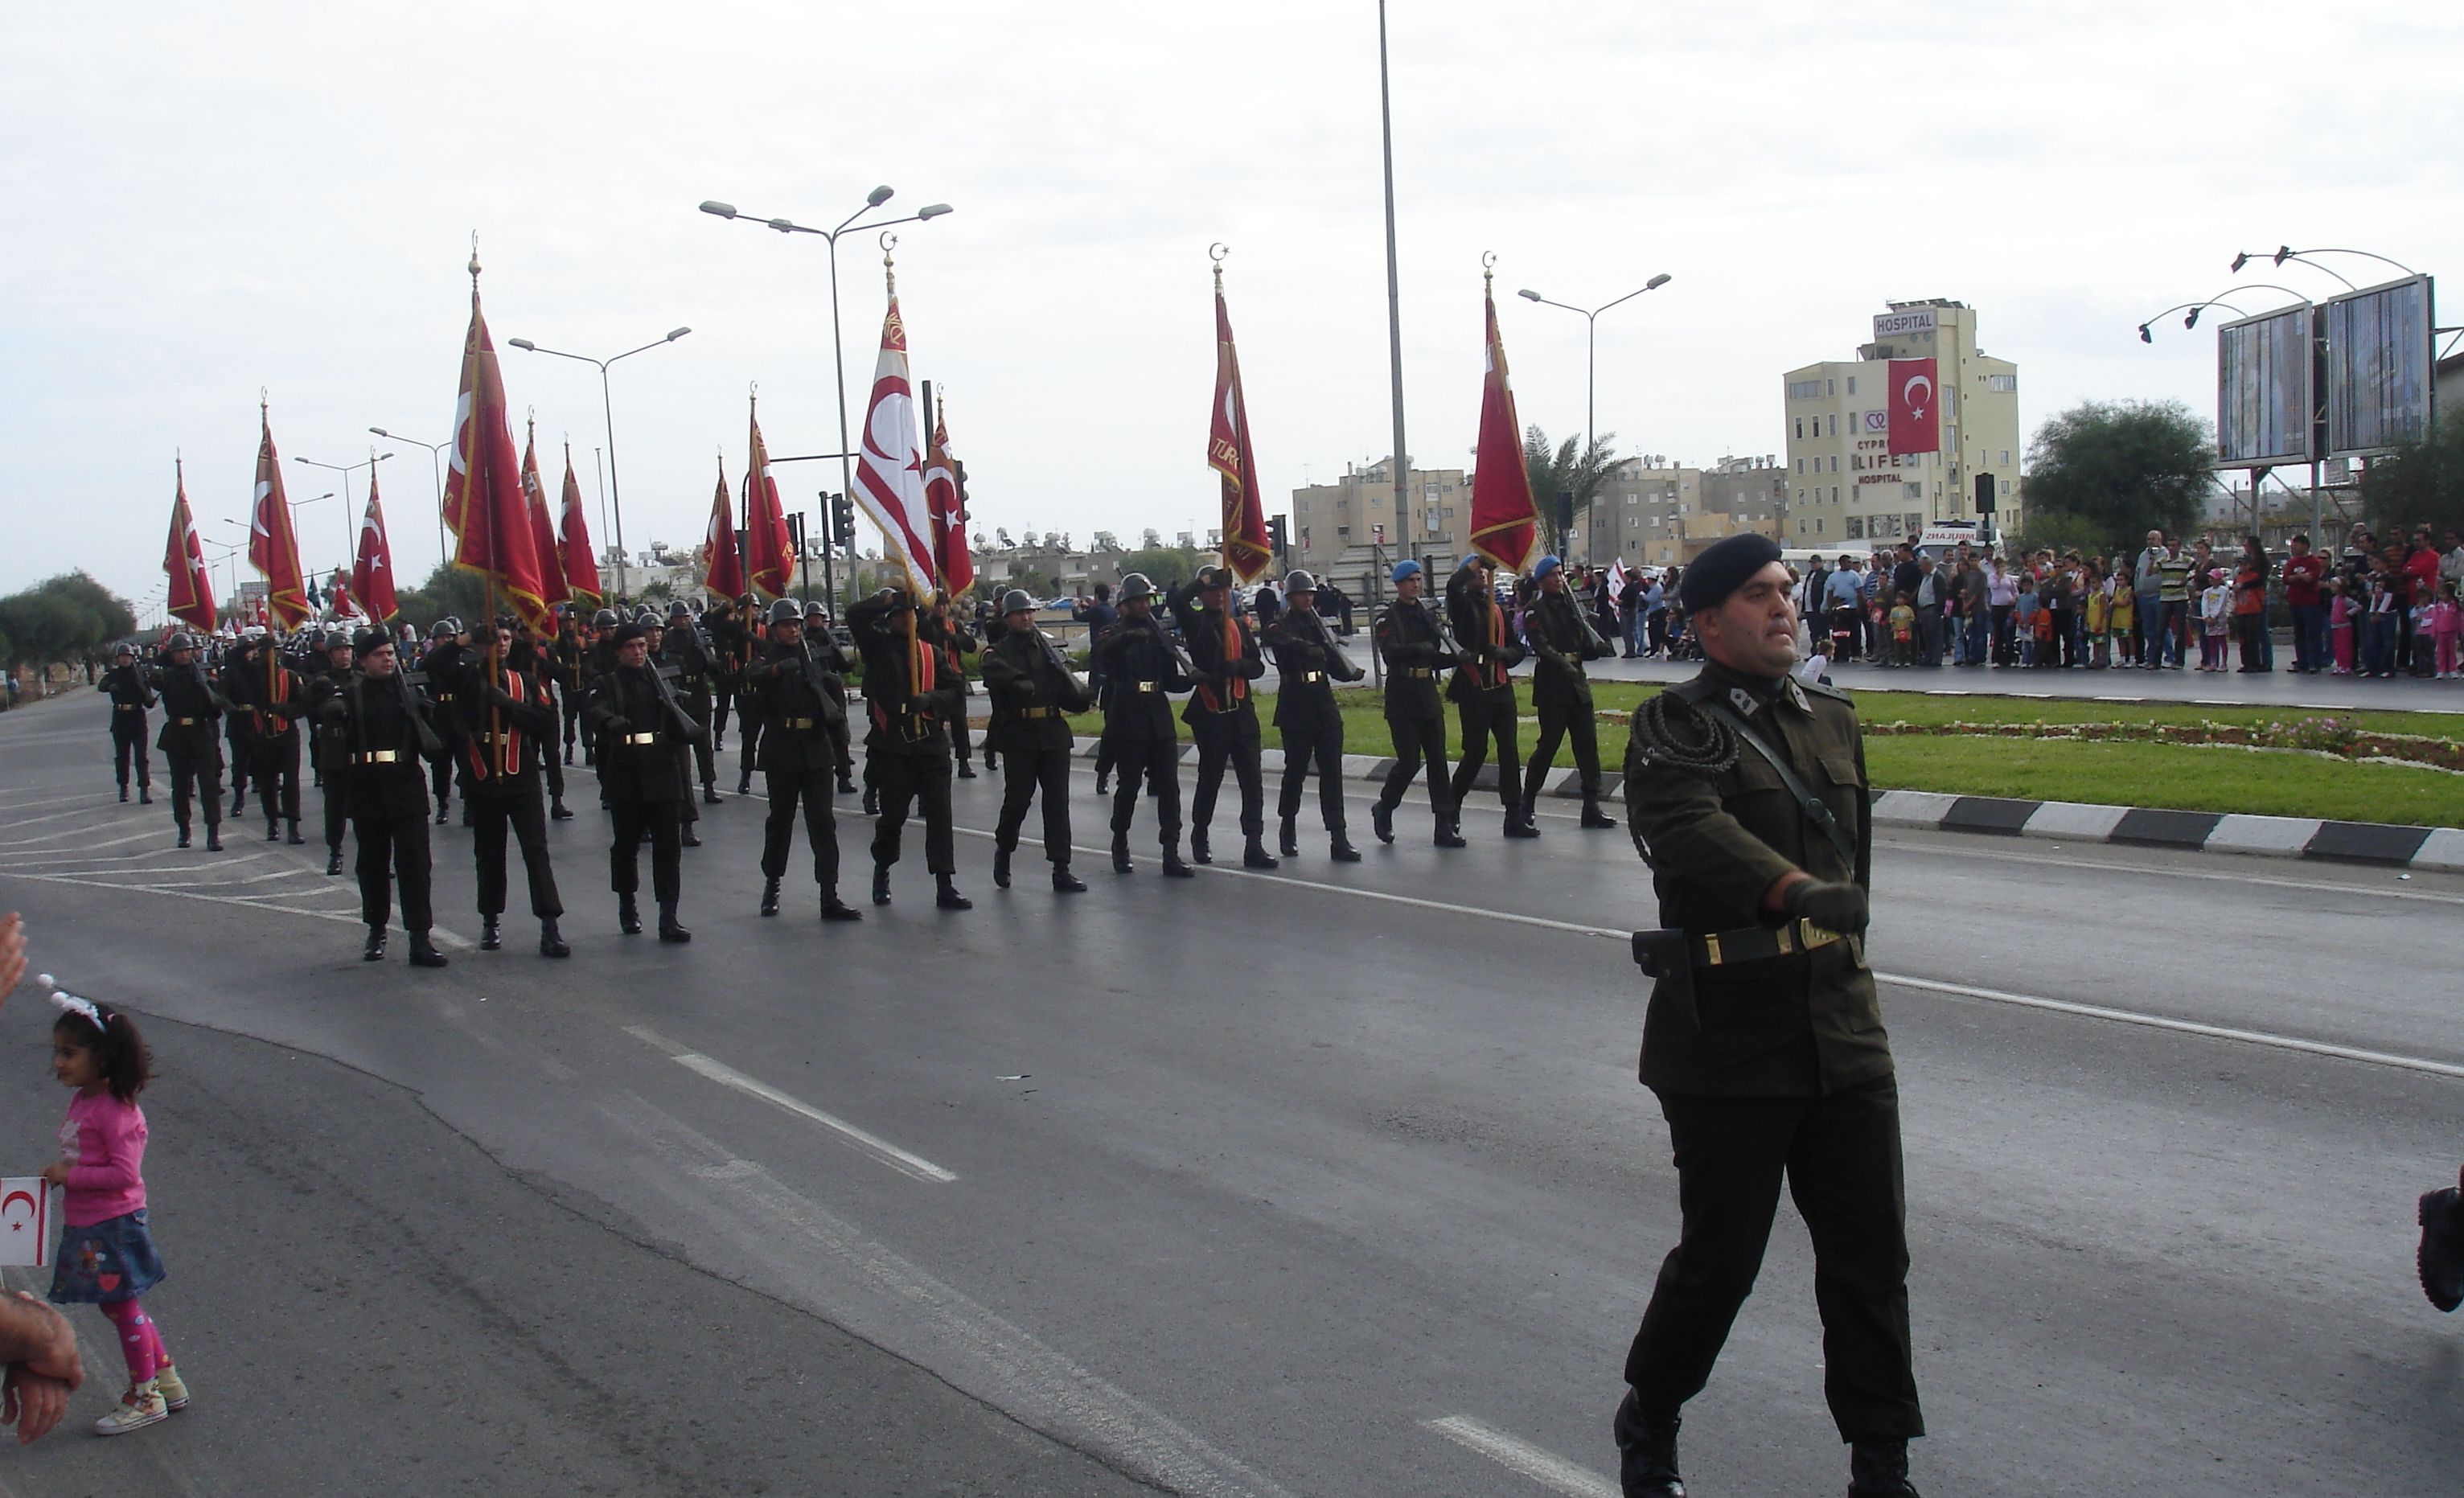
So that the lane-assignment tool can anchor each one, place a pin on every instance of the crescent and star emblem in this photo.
(1916, 403)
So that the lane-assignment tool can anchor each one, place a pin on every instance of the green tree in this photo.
(65, 618)
(1165, 565)
(2417, 484)
(1560, 469)
(2124, 468)
(448, 590)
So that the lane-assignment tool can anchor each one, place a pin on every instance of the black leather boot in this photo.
(556, 811)
(552, 941)
(1289, 837)
(423, 951)
(835, 909)
(183, 839)
(710, 793)
(672, 930)
(744, 785)
(1199, 849)
(492, 934)
(213, 837)
(1339, 849)
(881, 884)
(124, 790)
(1173, 867)
(1256, 856)
(1001, 868)
(294, 839)
(1519, 823)
(692, 838)
(374, 951)
(332, 861)
(1646, 1452)
(1449, 833)
(847, 786)
(769, 896)
(967, 770)
(1381, 821)
(1878, 1469)
(1064, 882)
(273, 830)
(1593, 818)
(145, 794)
(2440, 1259)
(946, 895)
(1121, 854)
(871, 801)
(628, 915)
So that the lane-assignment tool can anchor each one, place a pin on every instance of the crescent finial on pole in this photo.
(1487, 262)
(475, 259)
(1216, 253)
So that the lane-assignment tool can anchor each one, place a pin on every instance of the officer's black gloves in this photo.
(1836, 907)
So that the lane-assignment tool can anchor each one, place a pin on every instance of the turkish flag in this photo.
(191, 596)
(951, 556)
(1245, 548)
(889, 468)
(722, 567)
(552, 586)
(1916, 397)
(770, 547)
(580, 564)
(1505, 522)
(273, 549)
(372, 570)
(484, 506)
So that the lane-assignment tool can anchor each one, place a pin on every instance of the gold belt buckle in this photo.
(1146, 686)
(1312, 676)
(641, 738)
(1816, 935)
(1711, 947)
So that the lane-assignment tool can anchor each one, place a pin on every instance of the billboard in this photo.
(2263, 389)
(2378, 364)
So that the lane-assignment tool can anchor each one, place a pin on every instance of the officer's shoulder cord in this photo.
(1668, 731)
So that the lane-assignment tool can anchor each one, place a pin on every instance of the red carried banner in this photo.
(769, 546)
(576, 559)
(191, 599)
(889, 467)
(946, 497)
(722, 567)
(1915, 425)
(1505, 522)
(1246, 547)
(483, 491)
(372, 569)
(273, 549)
(552, 586)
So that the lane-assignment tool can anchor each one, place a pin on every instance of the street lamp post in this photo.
(2190, 320)
(436, 472)
(1591, 386)
(838, 348)
(608, 410)
(350, 532)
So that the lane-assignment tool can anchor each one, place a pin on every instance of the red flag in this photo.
(1915, 428)
(1245, 550)
(1505, 522)
(579, 562)
(723, 566)
(947, 501)
(372, 569)
(273, 550)
(770, 547)
(192, 598)
(890, 473)
(552, 586)
(483, 492)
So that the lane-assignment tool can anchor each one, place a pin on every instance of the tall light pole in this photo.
(608, 409)
(350, 530)
(837, 347)
(1394, 305)
(436, 472)
(1591, 387)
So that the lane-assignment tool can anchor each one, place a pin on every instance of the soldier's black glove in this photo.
(1835, 907)
(619, 723)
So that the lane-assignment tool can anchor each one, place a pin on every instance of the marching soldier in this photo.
(1563, 638)
(508, 726)
(191, 746)
(1416, 647)
(273, 701)
(1308, 663)
(907, 751)
(695, 679)
(1764, 1041)
(818, 633)
(1141, 669)
(334, 761)
(802, 694)
(1220, 714)
(748, 708)
(130, 696)
(667, 673)
(441, 667)
(959, 642)
(636, 723)
(382, 729)
(728, 664)
(568, 661)
(234, 726)
(1483, 690)
(1033, 692)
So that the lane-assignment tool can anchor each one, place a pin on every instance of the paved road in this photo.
(1334, 1180)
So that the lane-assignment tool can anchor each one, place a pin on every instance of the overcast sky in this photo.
(207, 201)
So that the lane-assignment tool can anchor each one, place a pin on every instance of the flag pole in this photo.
(1216, 253)
(488, 579)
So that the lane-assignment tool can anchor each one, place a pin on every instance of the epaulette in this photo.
(1824, 689)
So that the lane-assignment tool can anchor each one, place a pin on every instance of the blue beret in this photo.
(1723, 568)
(1547, 564)
(1405, 568)
(1472, 558)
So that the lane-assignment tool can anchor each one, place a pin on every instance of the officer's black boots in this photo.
(1289, 837)
(423, 951)
(744, 783)
(670, 928)
(1339, 849)
(295, 840)
(628, 915)
(492, 934)
(1519, 823)
(1064, 882)
(213, 837)
(124, 790)
(769, 896)
(273, 830)
(145, 794)
(374, 951)
(847, 787)
(692, 838)
(710, 793)
(881, 884)
(967, 770)
(1879, 1469)
(332, 861)
(1449, 833)
(1381, 821)
(183, 839)
(1173, 867)
(1256, 856)
(1121, 853)
(1646, 1452)
(835, 909)
(556, 810)
(2440, 1258)
(1001, 868)
(1199, 849)
(1593, 816)
(551, 941)
(946, 895)
(871, 801)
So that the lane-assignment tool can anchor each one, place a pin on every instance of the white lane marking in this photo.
(183, 859)
(904, 1162)
(2315, 885)
(1523, 1459)
(88, 850)
(15, 822)
(221, 882)
(441, 936)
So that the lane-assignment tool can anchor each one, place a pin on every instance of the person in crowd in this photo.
(2420, 568)
(2303, 574)
(1904, 631)
(2343, 610)
(2175, 588)
(2215, 619)
(2447, 631)
(2121, 620)
(2250, 606)
(1843, 600)
(2379, 628)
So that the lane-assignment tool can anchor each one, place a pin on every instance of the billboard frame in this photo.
(2307, 401)
(2337, 391)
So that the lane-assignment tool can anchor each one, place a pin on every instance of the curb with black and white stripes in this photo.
(2436, 849)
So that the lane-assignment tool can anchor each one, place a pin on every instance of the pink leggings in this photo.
(140, 1343)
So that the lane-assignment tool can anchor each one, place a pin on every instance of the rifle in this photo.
(1337, 663)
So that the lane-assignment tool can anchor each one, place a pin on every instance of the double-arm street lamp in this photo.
(350, 529)
(838, 348)
(436, 472)
(1591, 382)
(608, 410)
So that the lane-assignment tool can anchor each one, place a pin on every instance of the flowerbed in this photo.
(2326, 736)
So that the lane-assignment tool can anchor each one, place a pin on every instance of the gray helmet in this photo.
(124, 647)
(441, 630)
(647, 616)
(813, 609)
(1299, 581)
(605, 619)
(1017, 601)
(1137, 584)
(680, 609)
(785, 612)
(180, 642)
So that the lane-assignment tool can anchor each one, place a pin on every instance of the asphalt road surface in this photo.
(1331, 1180)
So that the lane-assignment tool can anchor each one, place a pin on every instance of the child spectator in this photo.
(1816, 666)
(2023, 611)
(2379, 628)
(2341, 613)
(2423, 617)
(2099, 621)
(1904, 631)
(2215, 621)
(2124, 619)
(2447, 631)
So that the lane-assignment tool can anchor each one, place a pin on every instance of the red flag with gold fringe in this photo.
(1246, 547)
(576, 559)
(272, 548)
(723, 566)
(1505, 522)
(191, 594)
(484, 505)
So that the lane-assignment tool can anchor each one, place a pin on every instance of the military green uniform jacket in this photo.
(1798, 1024)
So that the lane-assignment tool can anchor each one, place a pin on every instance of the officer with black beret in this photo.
(191, 745)
(637, 723)
(1222, 714)
(1746, 789)
(1483, 690)
(1308, 663)
(384, 733)
(1143, 668)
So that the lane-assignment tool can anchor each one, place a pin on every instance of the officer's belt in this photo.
(1417, 672)
(1039, 712)
(1307, 676)
(638, 738)
(377, 757)
(798, 724)
(1759, 943)
(184, 722)
(126, 707)
(1146, 686)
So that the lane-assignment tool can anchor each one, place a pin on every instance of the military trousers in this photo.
(128, 743)
(198, 775)
(748, 737)
(722, 701)
(811, 788)
(663, 821)
(1229, 739)
(688, 809)
(526, 816)
(1026, 773)
(274, 769)
(1559, 721)
(1156, 763)
(1417, 739)
(705, 758)
(393, 849)
(1485, 717)
(907, 781)
(1840, 1157)
(338, 804)
(1316, 746)
(569, 701)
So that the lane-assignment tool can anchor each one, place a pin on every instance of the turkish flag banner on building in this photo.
(372, 569)
(951, 557)
(273, 549)
(723, 566)
(483, 491)
(1245, 549)
(191, 595)
(769, 546)
(1505, 522)
(1916, 421)
(576, 559)
(552, 586)
(890, 464)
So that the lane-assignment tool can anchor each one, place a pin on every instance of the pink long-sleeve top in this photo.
(103, 1140)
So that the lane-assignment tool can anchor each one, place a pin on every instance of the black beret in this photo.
(631, 632)
(367, 642)
(1722, 568)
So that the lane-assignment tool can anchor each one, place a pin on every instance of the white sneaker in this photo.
(140, 1407)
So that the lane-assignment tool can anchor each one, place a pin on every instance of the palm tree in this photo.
(1559, 470)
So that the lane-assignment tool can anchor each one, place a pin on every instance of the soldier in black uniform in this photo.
(1416, 647)
(1222, 714)
(191, 745)
(1141, 669)
(1309, 663)
(1482, 692)
(818, 631)
(565, 661)
(130, 696)
(1563, 639)
(748, 708)
(509, 727)
(383, 730)
(636, 723)
(663, 667)
(907, 750)
(694, 682)
(801, 693)
(1033, 692)
(441, 667)
(234, 728)
(272, 700)
(1764, 1042)
(727, 665)
(334, 767)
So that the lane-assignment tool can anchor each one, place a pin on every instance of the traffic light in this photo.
(1275, 533)
(1985, 493)
(841, 521)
